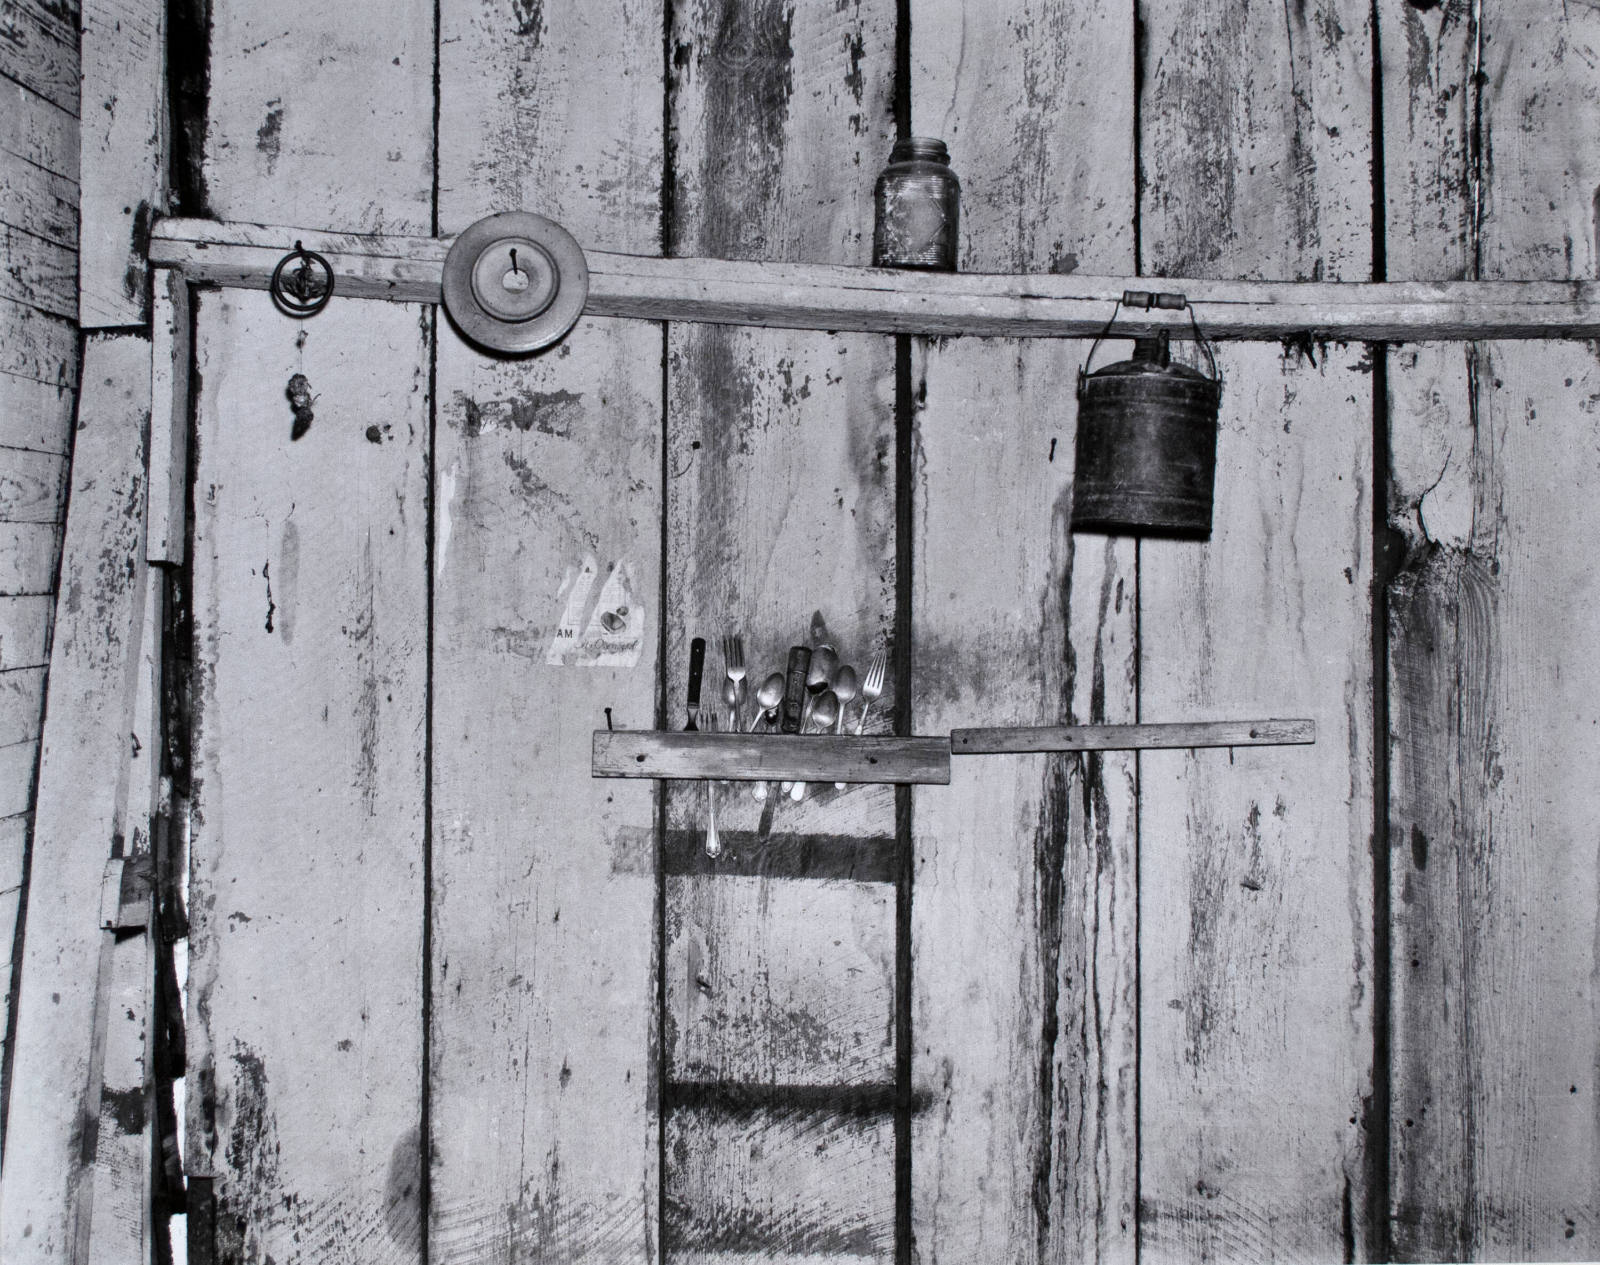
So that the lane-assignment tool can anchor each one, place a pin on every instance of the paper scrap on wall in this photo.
(607, 632)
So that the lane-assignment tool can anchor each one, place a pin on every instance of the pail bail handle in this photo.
(1144, 300)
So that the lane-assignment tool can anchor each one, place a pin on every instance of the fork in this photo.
(872, 686)
(707, 721)
(733, 664)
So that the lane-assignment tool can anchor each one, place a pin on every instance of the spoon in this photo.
(845, 686)
(730, 699)
(824, 663)
(824, 715)
(770, 697)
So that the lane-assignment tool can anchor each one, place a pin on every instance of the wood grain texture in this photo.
(763, 757)
(29, 553)
(17, 766)
(21, 704)
(310, 651)
(1220, 733)
(829, 296)
(1256, 896)
(25, 631)
(81, 817)
(36, 415)
(171, 353)
(38, 131)
(320, 115)
(1493, 695)
(37, 346)
(39, 51)
(123, 148)
(35, 199)
(780, 501)
(1023, 910)
(548, 497)
(33, 486)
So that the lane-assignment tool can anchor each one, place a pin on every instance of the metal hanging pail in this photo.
(1147, 438)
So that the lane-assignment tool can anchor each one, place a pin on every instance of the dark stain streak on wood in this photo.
(127, 1107)
(402, 1205)
(857, 858)
(746, 115)
(529, 15)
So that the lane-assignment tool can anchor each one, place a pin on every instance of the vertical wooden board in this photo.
(1256, 882)
(547, 518)
(124, 90)
(780, 501)
(1024, 899)
(319, 115)
(170, 355)
(543, 1124)
(307, 810)
(44, 1201)
(307, 862)
(1492, 699)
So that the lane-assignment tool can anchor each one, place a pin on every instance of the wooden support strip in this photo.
(769, 757)
(1219, 733)
(838, 297)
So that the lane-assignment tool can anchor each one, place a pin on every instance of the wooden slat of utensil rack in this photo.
(771, 757)
(1223, 733)
(835, 297)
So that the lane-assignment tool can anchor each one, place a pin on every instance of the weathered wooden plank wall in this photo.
(38, 379)
(311, 654)
(1133, 1006)
(542, 1108)
(778, 1056)
(1256, 966)
(1491, 172)
(1023, 903)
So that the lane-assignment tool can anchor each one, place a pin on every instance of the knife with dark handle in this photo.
(697, 667)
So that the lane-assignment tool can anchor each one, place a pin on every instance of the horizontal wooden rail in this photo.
(770, 757)
(835, 297)
(826, 758)
(1223, 733)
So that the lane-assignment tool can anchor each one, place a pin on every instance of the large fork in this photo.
(707, 721)
(733, 664)
(872, 686)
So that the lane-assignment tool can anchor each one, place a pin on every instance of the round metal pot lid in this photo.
(515, 282)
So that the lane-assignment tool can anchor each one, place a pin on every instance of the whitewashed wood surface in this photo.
(46, 1194)
(1494, 697)
(1256, 937)
(1024, 916)
(543, 1084)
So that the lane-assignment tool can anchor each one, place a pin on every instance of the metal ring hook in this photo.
(301, 293)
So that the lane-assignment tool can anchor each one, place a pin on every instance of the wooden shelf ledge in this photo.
(884, 300)
(826, 758)
(771, 757)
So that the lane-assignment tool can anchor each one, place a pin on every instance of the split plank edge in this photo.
(840, 297)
